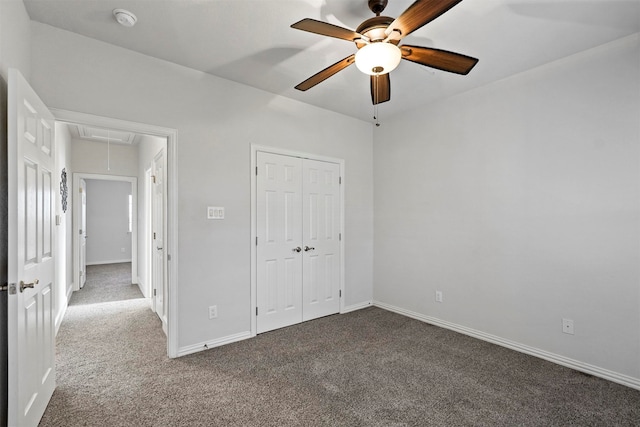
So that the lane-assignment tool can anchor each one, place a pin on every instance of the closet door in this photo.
(321, 245)
(279, 233)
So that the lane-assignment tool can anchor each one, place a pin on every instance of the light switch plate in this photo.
(214, 212)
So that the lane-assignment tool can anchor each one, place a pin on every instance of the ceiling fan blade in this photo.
(418, 14)
(326, 29)
(326, 73)
(440, 59)
(380, 88)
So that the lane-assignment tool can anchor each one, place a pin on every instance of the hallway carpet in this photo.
(367, 368)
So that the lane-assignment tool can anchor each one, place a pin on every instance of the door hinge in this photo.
(256, 171)
(256, 311)
(168, 257)
(340, 237)
(340, 293)
(154, 235)
(153, 177)
(256, 240)
(340, 180)
(155, 292)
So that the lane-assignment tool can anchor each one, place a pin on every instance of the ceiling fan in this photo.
(377, 41)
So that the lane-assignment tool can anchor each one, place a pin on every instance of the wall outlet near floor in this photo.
(438, 296)
(567, 326)
(213, 311)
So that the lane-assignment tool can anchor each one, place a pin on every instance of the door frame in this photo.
(171, 202)
(77, 176)
(255, 148)
(147, 237)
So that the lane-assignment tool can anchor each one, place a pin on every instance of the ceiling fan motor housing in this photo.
(374, 29)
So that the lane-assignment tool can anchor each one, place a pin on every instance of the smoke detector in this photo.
(125, 18)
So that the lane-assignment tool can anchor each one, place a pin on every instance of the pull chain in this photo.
(375, 99)
(108, 150)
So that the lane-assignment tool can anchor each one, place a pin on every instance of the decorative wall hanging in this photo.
(63, 189)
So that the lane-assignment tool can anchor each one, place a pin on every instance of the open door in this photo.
(82, 235)
(31, 315)
(158, 225)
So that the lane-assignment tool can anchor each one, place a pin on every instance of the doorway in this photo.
(105, 223)
(140, 256)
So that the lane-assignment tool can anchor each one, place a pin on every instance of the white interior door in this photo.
(321, 245)
(82, 235)
(158, 278)
(298, 247)
(279, 232)
(31, 323)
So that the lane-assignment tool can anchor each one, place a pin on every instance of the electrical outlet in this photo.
(213, 311)
(438, 296)
(567, 326)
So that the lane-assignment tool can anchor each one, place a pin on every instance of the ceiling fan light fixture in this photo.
(378, 58)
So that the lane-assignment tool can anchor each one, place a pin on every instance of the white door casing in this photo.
(82, 235)
(279, 232)
(31, 317)
(321, 245)
(148, 236)
(298, 225)
(158, 224)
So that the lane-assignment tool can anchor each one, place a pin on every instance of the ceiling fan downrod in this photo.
(377, 6)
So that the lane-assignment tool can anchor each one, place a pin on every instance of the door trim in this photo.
(171, 203)
(75, 217)
(255, 148)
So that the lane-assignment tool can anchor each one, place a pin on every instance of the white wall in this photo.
(64, 242)
(217, 120)
(520, 201)
(109, 239)
(92, 157)
(15, 39)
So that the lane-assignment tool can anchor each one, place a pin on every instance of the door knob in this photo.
(307, 249)
(31, 285)
(298, 249)
(158, 248)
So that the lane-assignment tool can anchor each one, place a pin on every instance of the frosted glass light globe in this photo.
(378, 58)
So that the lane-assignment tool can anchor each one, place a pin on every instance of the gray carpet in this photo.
(367, 368)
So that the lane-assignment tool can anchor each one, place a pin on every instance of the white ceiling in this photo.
(251, 42)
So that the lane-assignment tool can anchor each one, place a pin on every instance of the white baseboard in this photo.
(70, 291)
(142, 288)
(183, 351)
(113, 261)
(354, 307)
(513, 345)
(63, 310)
